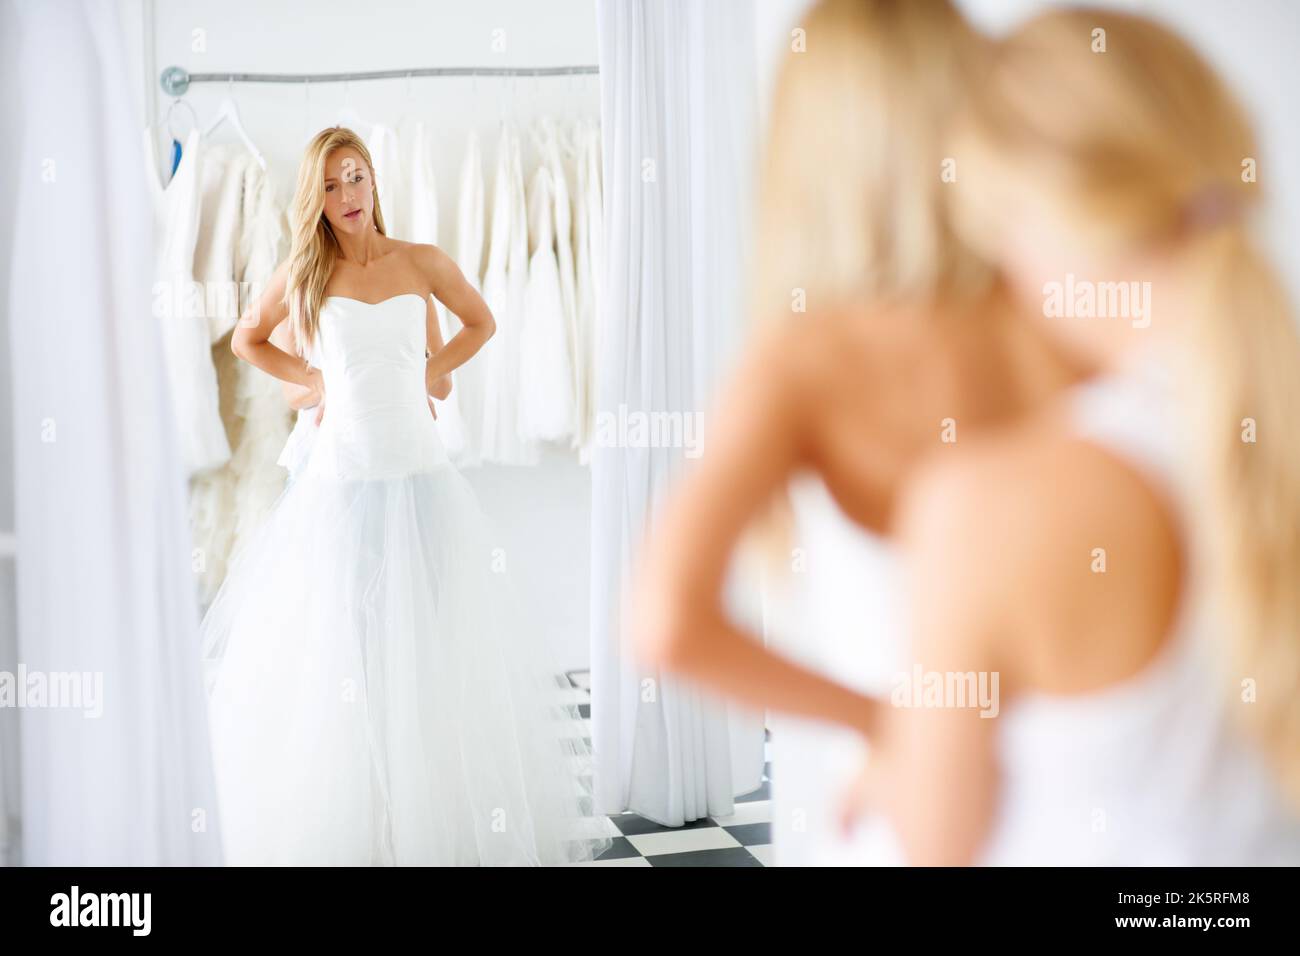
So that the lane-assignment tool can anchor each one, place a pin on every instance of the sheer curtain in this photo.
(9, 764)
(678, 113)
(104, 589)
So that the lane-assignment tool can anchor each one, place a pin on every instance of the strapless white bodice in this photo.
(377, 421)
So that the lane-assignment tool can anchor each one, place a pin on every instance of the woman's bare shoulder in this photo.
(1069, 550)
(430, 261)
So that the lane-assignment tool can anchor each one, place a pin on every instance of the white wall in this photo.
(544, 512)
(1253, 43)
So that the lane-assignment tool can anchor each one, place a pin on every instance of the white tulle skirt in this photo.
(375, 697)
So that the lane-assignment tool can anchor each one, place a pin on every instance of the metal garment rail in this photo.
(175, 80)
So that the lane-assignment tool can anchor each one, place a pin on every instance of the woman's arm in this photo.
(932, 768)
(439, 388)
(753, 445)
(251, 338)
(296, 396)
(452, 289)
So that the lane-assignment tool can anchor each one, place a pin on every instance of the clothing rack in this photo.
(176, 80)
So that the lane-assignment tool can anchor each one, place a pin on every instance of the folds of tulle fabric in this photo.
(375, 697)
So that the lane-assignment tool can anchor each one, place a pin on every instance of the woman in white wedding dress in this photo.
(374, 697)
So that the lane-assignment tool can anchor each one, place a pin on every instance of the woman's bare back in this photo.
(886, 390)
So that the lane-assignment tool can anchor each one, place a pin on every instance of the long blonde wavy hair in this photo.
(851, 209)
(1142, 148)
(314, 247)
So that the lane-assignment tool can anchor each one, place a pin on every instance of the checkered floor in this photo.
(741, 839)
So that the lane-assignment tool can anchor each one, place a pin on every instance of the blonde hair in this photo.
(851, 179)
(1143, 148)
(314, 247)
(850, 202)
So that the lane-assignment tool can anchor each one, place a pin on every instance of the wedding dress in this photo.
(505, 283)
(242, 237)
(178, 307)
(422, 218)
(374, 697)
(564, 251)
(588, 236)
(386, 153)
(468, 381)
(546, 377)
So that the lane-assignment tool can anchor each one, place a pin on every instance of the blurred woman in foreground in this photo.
(1119, 564)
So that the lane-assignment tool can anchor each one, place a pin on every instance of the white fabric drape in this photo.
(242, 237)
(677, 109)
(104, 584)
(841, 615)
(9, 762)
(588, 261)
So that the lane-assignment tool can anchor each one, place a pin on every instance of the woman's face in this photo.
(349, 199)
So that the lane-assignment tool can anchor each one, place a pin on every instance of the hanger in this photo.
(228, 111)
(308, 129)
(194, 119)
(568, 137)
(410, 122)
(408, 104)
(172, 135)
(543, 134)
(349, 117)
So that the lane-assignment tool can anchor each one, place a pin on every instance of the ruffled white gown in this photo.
(374, 697)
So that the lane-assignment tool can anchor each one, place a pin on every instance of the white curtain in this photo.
(678, 105)
(9, 765)
(104, 588)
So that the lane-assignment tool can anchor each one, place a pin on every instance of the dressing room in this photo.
(649, 433)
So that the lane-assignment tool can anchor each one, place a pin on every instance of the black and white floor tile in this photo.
(742, 838)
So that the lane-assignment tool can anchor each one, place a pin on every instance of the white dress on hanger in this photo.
(595, 213)
(243, 238)
(221, 207)
(212, 494)
(469, 378)
(374, 695)
(505, 288)
(178, 307)
(560, 177)
(421, 185)
(582, 293)
(588, 236)
(470, 211)
(545, 374)
(386, 154)
(259, 399)
(422, 208)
